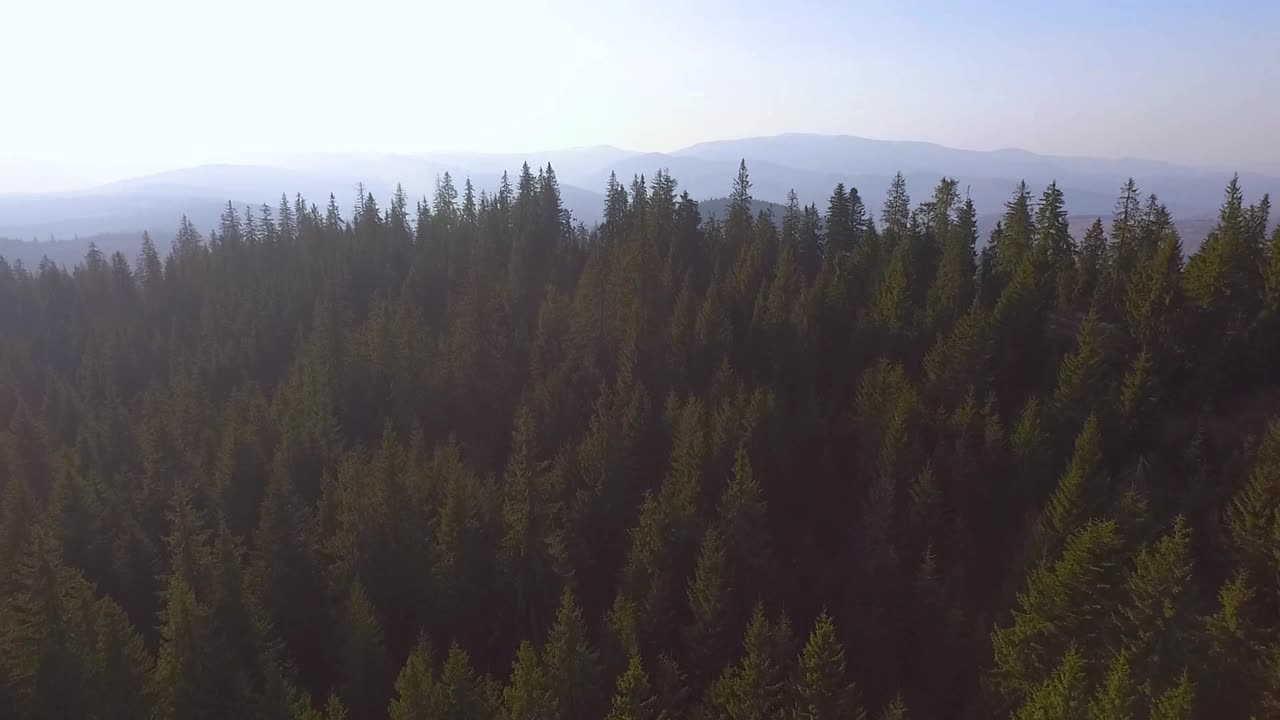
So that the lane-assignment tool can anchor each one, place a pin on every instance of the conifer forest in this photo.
(466, 457)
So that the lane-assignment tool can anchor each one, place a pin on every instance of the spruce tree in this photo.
(1062, 696)
(1155, 620)
(571, 665)
(754, 688)
(634, 699)
(364, 657)
(1175, 703)
(1117, 698)
(1077, 492)
(1091, 267)
(1251, 518)
(415, 687)
(527, 695)
(460, 695)
(823, 692)
(896, 215)
(1067, 603)
(1082, 375)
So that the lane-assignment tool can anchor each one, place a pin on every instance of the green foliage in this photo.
(823, 692)
(571, 665)
(1175, 703)
(1081, 376)
(1236, 649)
(634, 699)
(1067, 603)
(460, 695)
(1072, 501)
(415, 688)
(240, 478)
(895, 710)
(1251, 516)
(364, 657)
(754, 689)
(1091, 268)
(1062, 696)
(1117, 697)
(527, 696)
(1155, 620)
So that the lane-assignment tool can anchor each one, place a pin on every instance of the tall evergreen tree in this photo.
(822, 690)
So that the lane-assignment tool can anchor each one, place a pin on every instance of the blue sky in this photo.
(98, 90)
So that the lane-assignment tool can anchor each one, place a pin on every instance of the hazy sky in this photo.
(98, 90)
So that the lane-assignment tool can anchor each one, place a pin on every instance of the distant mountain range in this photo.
(809, 164)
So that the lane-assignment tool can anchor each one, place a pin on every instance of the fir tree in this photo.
(822, 690)
(527, 695)
(415, 687)
(1067, 602)
(1063, 696)
(1117, 697)
(634, 699)
(571, 664)
(363, 669)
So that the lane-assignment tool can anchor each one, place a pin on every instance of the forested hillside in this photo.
(466, 459)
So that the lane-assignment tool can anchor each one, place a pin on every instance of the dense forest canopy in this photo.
(464, 458)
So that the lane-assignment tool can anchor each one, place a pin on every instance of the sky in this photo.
(94, 91)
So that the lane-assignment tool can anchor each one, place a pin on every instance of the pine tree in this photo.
(415, 687)
(1067, 602)
(896, 215)
(738, 225)
(1054, 243)
(364, 658)
(709, 593)
(634, 699)
(522, 550)
(460, 694)
(743, 523)
(527, 695)
(1082, 374)
(671, 688)
(182, 681)
(285, 578)
(1016, 233)
(1155, 619)
(1117, 697)
(891, 307)
(150, 269)
(822, 690)
(1137, 395)
(571, 665)
(179, 681)
(1123, 251)
(1154, 299)
(334, 709)
(1091, 267)
(953, 288)
(839, 223)
(1063, 696)
(754, 688)
(1251, 518)
(1077, 492)
(231, 649)
(1176, 703)
(1223, 285)
(121, 664)
(1236, 650)
(43, 661)
(895, 710)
